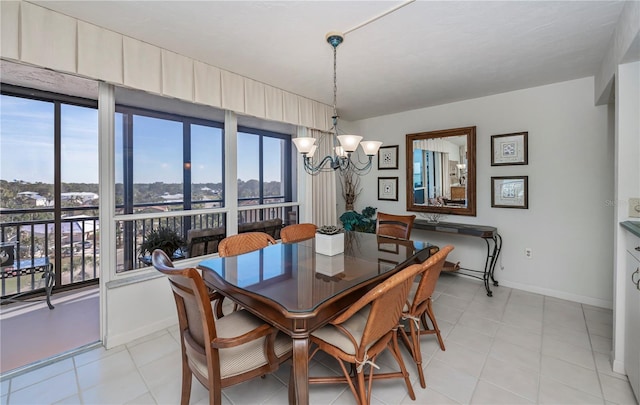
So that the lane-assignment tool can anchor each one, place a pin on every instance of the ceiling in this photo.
(423, 54)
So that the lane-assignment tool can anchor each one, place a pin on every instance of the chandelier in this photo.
(346, 157)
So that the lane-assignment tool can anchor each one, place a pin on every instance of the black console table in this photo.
(488, 233)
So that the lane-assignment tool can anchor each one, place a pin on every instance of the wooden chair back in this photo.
(386, 301)
(395, 226)
(418, 308)
(359, 344)
(195, 315)
(298, 232)
(250, 348)
(243, 243)
(428, 279)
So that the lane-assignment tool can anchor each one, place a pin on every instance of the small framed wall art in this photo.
(388, 157)
(510, 192)
(388, 188)
(509, 149)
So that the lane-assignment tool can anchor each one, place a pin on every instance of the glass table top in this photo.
(299, 279)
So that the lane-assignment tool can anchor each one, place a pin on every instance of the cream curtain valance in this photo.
(48, 39)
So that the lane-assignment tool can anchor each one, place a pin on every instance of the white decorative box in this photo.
(329, 265)
(330, 245)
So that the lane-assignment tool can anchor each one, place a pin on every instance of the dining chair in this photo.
(204, 241)
(298, 232)
(362, 332)
(218, 352)
(395, 226)
(243, 243)
(418, 308)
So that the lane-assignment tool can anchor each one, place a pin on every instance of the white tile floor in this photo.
(513, 348)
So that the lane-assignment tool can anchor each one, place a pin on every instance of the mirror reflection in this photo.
(441, 171)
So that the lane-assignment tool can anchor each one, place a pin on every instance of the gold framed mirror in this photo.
(441, 171)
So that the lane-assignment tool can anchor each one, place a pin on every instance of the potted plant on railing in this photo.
(165, 239)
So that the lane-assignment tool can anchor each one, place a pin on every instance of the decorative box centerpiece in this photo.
(329, 240)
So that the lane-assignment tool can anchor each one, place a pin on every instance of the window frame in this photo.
(287, 179)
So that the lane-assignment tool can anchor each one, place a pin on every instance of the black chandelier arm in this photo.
(351, 165)
(310, 168)
(337, 163)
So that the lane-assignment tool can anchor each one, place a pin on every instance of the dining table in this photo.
(297, 290)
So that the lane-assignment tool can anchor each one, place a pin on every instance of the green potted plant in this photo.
(354, 221)
(165, 239)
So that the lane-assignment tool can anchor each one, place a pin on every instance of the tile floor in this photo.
(513, 348)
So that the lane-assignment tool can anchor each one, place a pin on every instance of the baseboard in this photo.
(111, 341)
(618, 367)
(48, 361)
(596, 302)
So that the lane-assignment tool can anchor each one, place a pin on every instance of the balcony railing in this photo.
(32, 235)
(76, 260)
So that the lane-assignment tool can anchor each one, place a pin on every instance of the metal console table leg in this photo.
(488, 233)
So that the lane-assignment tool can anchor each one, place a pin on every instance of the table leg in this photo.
(299, 381)
(494, 259)
(494, 246)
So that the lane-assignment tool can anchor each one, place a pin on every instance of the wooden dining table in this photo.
(297, 290)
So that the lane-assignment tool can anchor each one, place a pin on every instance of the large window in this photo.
(165, 162)
(264, 167)
(48, 188)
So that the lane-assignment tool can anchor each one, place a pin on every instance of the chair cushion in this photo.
(246, 357)
(354, 325)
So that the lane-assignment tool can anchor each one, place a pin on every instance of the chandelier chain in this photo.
(335, 87)
(345, 160)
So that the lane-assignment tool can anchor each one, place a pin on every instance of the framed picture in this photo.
(509, 149)
(388, 157)
(510, 192)
(388, 188)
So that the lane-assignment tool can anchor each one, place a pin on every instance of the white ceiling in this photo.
(426, 53)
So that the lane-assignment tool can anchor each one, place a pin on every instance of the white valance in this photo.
(177, 75)
(48, 39)
(142, 65)
(9, 12)
(99, 53)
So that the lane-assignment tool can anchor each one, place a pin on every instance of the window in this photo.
(264, 167)
(165, 162)
(264, 176)
(49, 186)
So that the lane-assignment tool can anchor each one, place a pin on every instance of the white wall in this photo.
(627, 128)
(570, 217)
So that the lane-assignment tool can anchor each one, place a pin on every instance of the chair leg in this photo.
(413, 346)
(432, 317)
(185, 396)
(416, 352)
(362, 396)
(395, 350)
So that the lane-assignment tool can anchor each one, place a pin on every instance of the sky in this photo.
(27, 149)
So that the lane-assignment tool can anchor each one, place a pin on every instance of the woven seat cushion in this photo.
(355, 325)
(237, 360)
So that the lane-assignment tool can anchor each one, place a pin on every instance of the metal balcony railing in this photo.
(32, 234)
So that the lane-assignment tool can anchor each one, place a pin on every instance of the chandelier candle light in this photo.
(348, 144)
